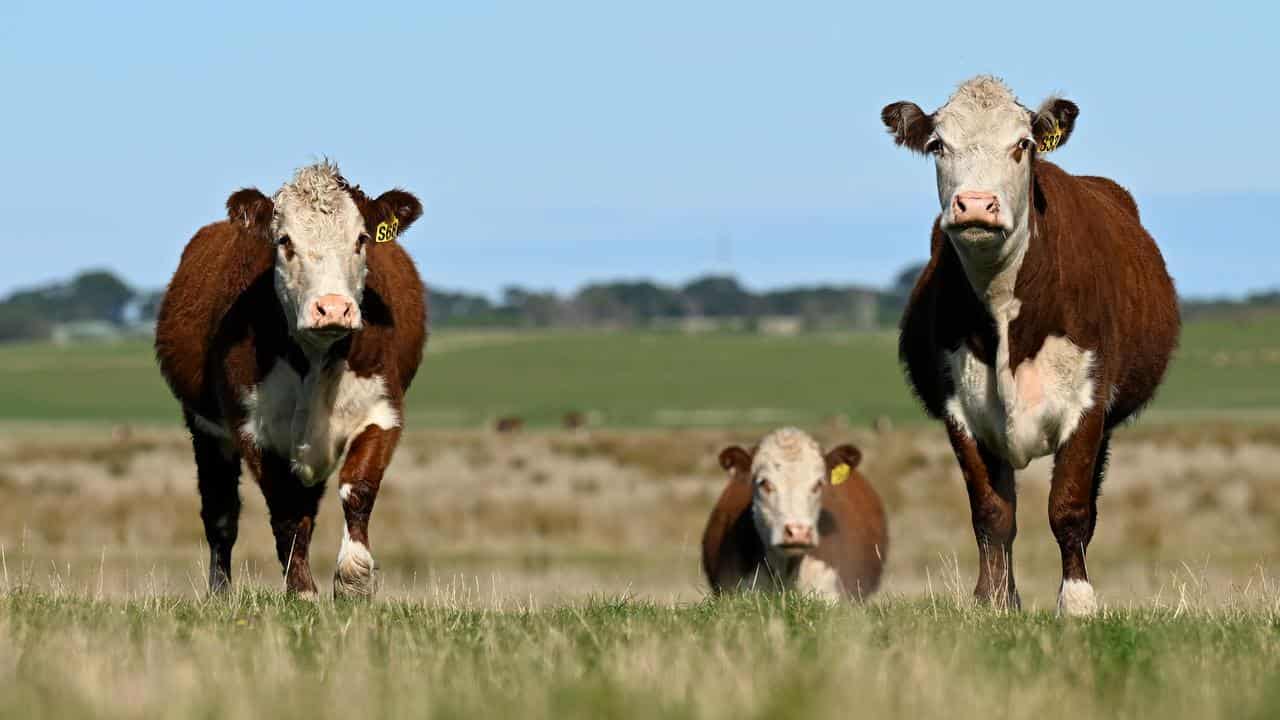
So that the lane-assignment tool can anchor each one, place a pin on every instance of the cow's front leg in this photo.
(293, 507)
(360, 478)
(993, 504)
(1073, 509)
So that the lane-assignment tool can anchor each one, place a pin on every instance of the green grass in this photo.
(264, 655)
(638, 379)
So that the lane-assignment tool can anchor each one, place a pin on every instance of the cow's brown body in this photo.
(221, 331)
(1091, 275)
(853, 540)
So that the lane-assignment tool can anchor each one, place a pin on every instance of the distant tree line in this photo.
(99, 297)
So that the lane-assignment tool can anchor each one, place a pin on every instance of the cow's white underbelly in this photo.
(312, 419)
(1026, 412)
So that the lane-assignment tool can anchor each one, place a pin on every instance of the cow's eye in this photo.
(362, 241)
(817, 487)
(934, 147)
(766, 487)
(283, 241)
(1025, 144)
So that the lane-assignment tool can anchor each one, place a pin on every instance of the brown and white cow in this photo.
(1044, 318)
(793, 518)
(290, 333)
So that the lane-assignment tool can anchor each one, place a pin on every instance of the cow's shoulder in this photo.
(395, 318)
(730, 544)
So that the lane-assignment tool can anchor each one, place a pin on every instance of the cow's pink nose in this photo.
(333, 312)
(978, 208)
(797, 534)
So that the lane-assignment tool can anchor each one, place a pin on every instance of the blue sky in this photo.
(557, 143)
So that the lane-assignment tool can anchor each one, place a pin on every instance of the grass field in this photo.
(261, 655)
(555, 573)
(638, 379)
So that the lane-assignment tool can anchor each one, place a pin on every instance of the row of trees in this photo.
(642, 303)
(99, 296)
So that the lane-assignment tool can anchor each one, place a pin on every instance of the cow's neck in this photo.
(782, 567)
(993, 271)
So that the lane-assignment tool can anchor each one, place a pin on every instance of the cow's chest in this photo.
(1025, 412)
(310, 419)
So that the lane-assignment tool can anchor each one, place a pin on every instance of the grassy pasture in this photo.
(640, 379)
(262, 655)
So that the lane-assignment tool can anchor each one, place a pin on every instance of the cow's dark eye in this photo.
(766, 487)
(1025, 144)
(283, 241)
(935, 146)
(362, 241)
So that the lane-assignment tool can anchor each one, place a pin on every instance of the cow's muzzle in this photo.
(332, 314)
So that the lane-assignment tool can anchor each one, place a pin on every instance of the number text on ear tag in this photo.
(1050, 141)
(387, 230)
(839, 473)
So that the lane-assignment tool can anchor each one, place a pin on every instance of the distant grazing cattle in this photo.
(290, 333)
(509, 424)
(793, 518)
(574, 420)
(1044, 318)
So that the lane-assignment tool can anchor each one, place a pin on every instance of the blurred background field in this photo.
(100, 493)
(1227, 368)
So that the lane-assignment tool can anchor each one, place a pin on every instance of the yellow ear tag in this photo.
(387, 231)
(839, 473)
(1050, 141)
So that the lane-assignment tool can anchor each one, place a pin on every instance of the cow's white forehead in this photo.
(316, 203)
(787, 448)
(982, 109)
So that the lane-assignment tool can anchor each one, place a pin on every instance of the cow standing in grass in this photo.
(1044, 318)
(791, 517)
(290, 333)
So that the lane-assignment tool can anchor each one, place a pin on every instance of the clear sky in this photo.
(555, 143)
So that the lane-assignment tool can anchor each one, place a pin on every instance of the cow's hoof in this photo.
(1077, 599)
(354, 577)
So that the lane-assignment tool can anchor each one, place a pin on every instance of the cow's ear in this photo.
(735, 460)
(908, 124)
(249, 208)
(1053, 122)
(843, 455)
(398, 204)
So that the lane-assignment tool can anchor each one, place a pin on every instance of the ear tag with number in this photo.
(1050, 141)
(387, 230)
(839, 473)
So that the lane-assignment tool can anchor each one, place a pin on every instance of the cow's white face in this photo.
(319, 228)
(983, 142)
(787, 475)
(321, 242)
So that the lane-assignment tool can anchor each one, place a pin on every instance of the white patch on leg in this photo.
(344, 491)
(353, 576)
(1077, 599)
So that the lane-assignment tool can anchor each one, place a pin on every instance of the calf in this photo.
(792, 518)
(290, 333)
(1044, 319)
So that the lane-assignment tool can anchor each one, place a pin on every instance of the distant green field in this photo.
(639, 379)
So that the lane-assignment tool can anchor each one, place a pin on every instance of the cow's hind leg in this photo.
(218, 477)
(360, 478)
(293, 508)
(1073, 510)
(993, 503)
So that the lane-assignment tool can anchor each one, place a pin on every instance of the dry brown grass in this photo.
(564, 514)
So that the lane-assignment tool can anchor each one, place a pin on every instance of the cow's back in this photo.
(853, 533)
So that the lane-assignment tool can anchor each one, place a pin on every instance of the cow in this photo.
(289, 335)
(792, 518)
(1044, 319)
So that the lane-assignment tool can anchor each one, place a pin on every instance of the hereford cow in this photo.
(1044, 318)
(793, 518)
(290, 333)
